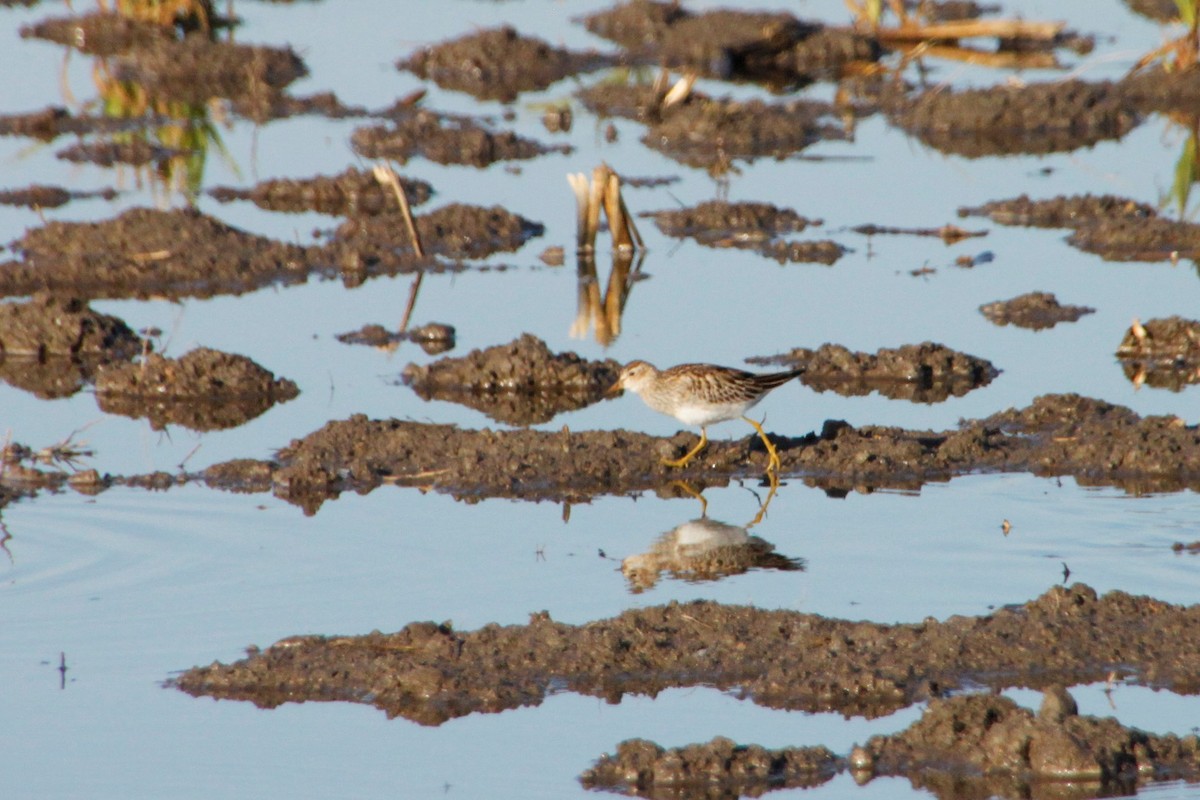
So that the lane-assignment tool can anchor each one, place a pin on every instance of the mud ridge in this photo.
(498, 64)
(777, 49)
(747, 226)
(431, 673)
(1096, 442)
(1114, 228)
(38, 196)
(520, 383)
(923, 373)
(353, 192)
(445, 140)
(1033, 310)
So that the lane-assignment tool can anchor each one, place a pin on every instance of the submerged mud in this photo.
(498, 64)
(747, 226)
(1096, 442)
(962, 747)
(203, 390)
(520, 383)
(1034, 310)
(923, 373)
(431, 673)
(353, 192)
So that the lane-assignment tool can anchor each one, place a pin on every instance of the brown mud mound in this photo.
(704, 550)
(1037, 118)
(100, 33)
(1163, 353)
(923, 373)
(445, 140)
(1115, 228)
(988, 746)
(457, 231)
(1157, 10)
(717, 769)
(520, 383)
(776, 48)
(709, 132)
(782, 659)
(134, 152)
(1098, 443)
(146, 252)
(1034, 310)
(351, 193)
(434, 338)
(746, 226)
(203, 390)
(53, 326)
(498, 64)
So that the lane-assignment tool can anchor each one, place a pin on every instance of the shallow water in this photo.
(133, 586)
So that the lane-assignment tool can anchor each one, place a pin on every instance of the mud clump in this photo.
(52, 326)
(352, 193)
(1163, 353)
(520, 383)
(1034, 310)
(145, 252)
(38, 196)
(923, 373)
(430, 673)
(203, 390)
(719, 768)
(434, 338)
(747, 226)
(1060, 212)
(445, 140)
(497, 64)
(708, 132)
(774, 48)
(99, 33)
(1037, 119)
(134, 152)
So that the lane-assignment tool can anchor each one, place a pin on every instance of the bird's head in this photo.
(635, 377)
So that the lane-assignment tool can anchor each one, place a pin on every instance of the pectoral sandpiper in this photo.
(703, 394)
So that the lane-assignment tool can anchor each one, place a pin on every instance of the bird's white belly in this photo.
(709, 413)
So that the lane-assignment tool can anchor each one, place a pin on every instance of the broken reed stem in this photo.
(604, 191)
(387, 176)
(617, 225)
(584, 240)
(999, 28)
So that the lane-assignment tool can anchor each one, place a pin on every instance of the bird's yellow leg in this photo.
(687, 489)
(682, 462)
(773, 462)
(762, 510)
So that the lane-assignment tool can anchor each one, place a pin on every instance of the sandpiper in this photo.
(703, 394)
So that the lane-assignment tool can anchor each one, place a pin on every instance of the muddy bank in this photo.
(1037, 118)
(445, 139)
(434, 338)
(1114, 228)
(747, 226)
(1033, 310)
(519, 383)
(38, 196)
(1097, 443)
(777, 49)
(922, 373)
(203, 390)
(704, 550)
(183, 253)
(353, 192)
(709, 133)
(498, 64)
(967, 746)
(1163, 353)
(431, 673)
